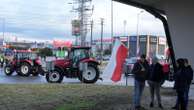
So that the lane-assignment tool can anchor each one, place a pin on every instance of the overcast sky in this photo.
(51, 19)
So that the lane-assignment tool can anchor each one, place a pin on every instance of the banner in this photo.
(60, 43)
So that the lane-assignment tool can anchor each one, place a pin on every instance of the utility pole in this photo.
(112, 22)
(82, 22)
(101, 46)
(3, 28)
(124, 24)
(85, 11)
(91, 40)
(138, 42)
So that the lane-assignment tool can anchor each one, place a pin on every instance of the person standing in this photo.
(181, 85)
(155, 79)
(189, 75)
(189, 71)
(140, 71)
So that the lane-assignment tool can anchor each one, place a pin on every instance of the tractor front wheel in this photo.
(54, 77)
(8, 70)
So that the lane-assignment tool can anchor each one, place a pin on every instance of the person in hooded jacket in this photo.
(189, 75)
(155, 79)
(189, 71)
(181, 85)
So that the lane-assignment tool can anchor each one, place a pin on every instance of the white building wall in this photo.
(180, 17)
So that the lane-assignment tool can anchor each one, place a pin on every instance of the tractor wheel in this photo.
(54, 77)
(35, 71)
(25, 69)
(91, 75)
(8, 70)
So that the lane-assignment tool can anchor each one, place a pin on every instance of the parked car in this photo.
(106, 58)
(128, 65)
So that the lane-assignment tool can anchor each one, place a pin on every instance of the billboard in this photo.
(76, 27)
(60, 43)
(162, 41)
(153, 46)
(132, 46)
(142, 44)
(153, 39)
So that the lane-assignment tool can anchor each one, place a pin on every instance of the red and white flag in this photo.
(116, 61)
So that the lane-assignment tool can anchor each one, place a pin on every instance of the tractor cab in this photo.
(77, 54)
(25, 55)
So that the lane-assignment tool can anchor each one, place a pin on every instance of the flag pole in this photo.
(112, 22)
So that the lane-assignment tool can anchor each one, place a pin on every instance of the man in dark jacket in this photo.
(140, 71)
(155, 79)
(181, 85)
(189, 75)
(189, 71)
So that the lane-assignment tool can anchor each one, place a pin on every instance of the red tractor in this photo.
(77, 64)
(24, 62)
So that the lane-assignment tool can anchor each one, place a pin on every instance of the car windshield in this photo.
(131, 60)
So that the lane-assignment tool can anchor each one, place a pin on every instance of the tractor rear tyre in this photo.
(25, 69)
(91, 75)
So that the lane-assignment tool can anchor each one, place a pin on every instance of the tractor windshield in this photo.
(81, 53)
(25, 55)
(78, 54)
(21, 55)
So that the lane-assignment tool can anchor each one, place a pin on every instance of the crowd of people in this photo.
(154, 75)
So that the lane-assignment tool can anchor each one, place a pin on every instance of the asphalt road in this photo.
(15, 79)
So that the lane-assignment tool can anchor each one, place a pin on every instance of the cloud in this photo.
(37, 17)
(48, 19)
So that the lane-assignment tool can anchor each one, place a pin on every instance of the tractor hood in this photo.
(62, 62)
(90, 60)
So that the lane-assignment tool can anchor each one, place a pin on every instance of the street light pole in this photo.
(91, 40)
(112, 21)
(138, 44)
(101, 46)
(124, 24)
(3, 27)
